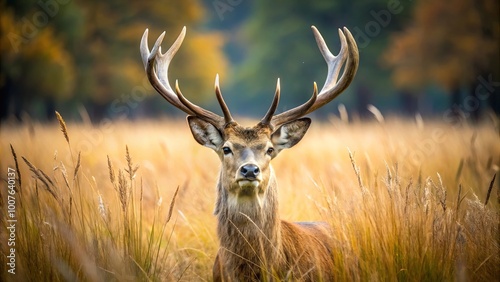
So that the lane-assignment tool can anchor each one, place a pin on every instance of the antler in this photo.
(332, 88)
(156, 65)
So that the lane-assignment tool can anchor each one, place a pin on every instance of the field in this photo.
(407, 201)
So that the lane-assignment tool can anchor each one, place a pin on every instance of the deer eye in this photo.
(226, 150)
(270, 151)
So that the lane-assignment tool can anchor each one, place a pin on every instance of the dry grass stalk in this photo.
(427, 195)
(112, 176)
(459, 170)
(419, 181)
(101, 206)
(40, 177)
(459, 198)
(357, 172)
(131, 170)
(376, 113)
(344, 117)
(442, 192)
(46, 177)
(419, 121)
(172, 203)
(489, 189)
(66, 182)
(141, 196)
(123, 190)
(65, 175)
(396, 174)
(407, 194)
(77, 167)
(62, 124)
(18, 171)
(388, 181)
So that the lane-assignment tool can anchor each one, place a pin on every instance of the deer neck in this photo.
(250, 227)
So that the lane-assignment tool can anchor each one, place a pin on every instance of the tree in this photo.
(278, 42)
(69, 53)
(35, 64)
(116, 80)
(453, 44)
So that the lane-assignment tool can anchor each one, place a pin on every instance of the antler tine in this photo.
(225, 110)
(266, 120)
(144, 48)
(334, 64)
(157, 64)
(149, 60)
(198, 111)
(296, 112)
(332, 88)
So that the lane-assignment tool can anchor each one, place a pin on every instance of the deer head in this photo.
(246, 152)
(252, 237)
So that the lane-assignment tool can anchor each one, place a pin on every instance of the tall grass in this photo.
(69, 229)
(406, 201)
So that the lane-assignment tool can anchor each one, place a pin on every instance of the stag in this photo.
(255, 244)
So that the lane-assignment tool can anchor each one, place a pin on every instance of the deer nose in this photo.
(250, 171)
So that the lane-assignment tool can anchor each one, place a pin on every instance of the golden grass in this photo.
(406, 201)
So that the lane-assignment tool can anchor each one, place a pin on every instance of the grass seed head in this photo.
(18, 171)
(112, 176)
(77, 167)
(62, 124)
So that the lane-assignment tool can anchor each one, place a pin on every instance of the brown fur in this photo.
(255, 244)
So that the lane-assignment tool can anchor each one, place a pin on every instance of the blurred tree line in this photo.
(86, 53)
(278, 42)
(416, 56)
(454, 45)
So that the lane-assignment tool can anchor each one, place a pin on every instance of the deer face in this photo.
(246, 153)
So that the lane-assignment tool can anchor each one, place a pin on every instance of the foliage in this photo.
(447, 43)
(82, 56)
(88, 51)
(278, 43)
(44, 62)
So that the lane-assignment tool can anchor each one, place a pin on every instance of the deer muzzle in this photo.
(249, 176)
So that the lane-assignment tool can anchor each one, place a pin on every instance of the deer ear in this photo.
(205, 133)
(289, 134)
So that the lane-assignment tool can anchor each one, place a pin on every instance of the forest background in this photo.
(425, 57)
